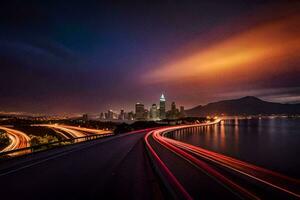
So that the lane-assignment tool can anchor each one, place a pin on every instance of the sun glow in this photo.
(258, 50)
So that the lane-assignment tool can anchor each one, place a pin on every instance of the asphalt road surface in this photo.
(111, 168)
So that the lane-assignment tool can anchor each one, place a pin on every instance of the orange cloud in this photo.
(261, 49)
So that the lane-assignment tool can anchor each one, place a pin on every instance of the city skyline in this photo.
(66, 58)
(150, 100)
(155, 112)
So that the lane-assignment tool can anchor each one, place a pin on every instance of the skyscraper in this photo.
(110, 114)
(182, 112)
(146, 114)
(130, 116)
(85, 117)
(154, 112)
(139, 111)
(173, 107)
(102, 116)
(122, 115)
(173, 114)
(162, 107)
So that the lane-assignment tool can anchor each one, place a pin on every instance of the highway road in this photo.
(140, 165)
(61, 129)
(196, 173)
(110, 168)
(72, 131)
(18, 139)
(86, 130)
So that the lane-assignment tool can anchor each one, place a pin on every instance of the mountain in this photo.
(248, 105)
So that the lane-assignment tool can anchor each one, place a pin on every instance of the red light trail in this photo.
(200, 158)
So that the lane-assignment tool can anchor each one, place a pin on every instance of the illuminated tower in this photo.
(162, 107)
(154, 112)
(139, 111)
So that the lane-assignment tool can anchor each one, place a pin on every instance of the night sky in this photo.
(64, 57)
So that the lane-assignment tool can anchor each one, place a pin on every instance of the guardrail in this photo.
(42, 147)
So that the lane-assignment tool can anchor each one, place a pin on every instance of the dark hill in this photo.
(244, 106)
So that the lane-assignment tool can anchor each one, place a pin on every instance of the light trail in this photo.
(235, 188)
(170, 176)
(18, 139)
(71, 132)
(262, 175)
(193, 154)
(74, 131)
(61, 133)
(229, 160)
(88, 130)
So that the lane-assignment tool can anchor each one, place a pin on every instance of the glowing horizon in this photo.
(261, 49)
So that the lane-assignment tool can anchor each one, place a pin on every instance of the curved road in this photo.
(119, 168)
(87, 130)
(73, 131)
(109, 168)
(18, 139)
(193, 172)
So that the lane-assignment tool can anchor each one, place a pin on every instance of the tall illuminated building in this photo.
(139, 111)
(173, 107)
(182, 112)
(130, 116)
(102, 116)
(122, 115)
(174, 112)
(85, 117)
(162, 107)
(146, 114)
(154, 112)
(110, 114)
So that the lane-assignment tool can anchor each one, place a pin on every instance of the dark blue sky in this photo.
(67, 57)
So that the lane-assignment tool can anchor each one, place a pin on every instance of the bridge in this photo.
(143, 164)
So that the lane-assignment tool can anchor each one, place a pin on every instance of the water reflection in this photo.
(271, 143)
(236, 134)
